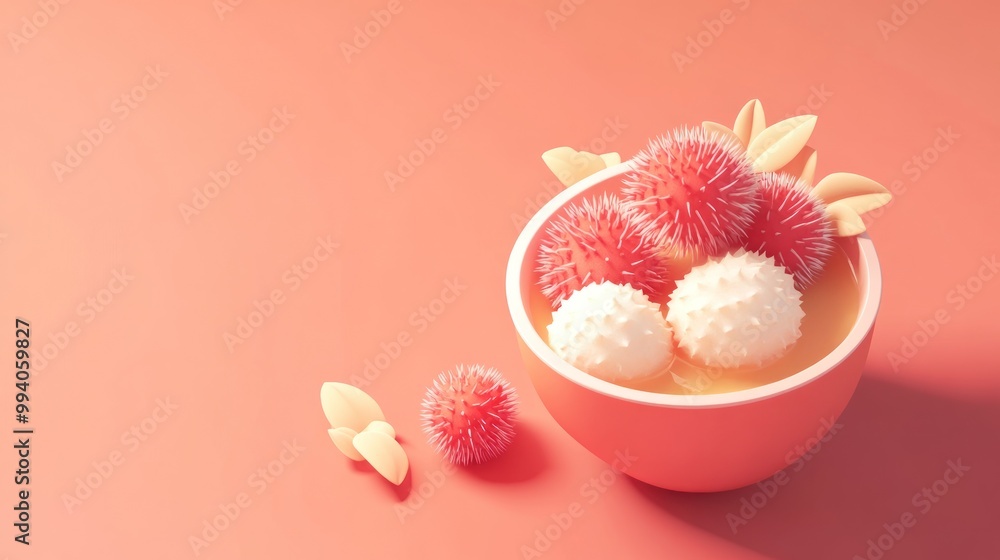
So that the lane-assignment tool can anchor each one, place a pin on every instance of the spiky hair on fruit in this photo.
(791, 226)
(736, 311)
(597, 240)
(697, 187)
(612, 332)
(468, 414)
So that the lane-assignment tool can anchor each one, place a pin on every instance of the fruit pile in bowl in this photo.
(723, 227)
(703, 292)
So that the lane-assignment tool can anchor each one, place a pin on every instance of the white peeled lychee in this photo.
(612, 332)
(735, 311)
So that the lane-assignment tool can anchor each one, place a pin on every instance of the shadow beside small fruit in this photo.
(525, 459)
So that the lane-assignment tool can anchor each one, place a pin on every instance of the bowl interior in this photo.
(522, 296)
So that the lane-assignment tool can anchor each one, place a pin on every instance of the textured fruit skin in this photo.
(734, 311)
(612, 332)
(791, 226)
(697, 187)
(468, 414)
(596, 241)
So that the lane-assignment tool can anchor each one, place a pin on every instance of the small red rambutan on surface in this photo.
(468, 414)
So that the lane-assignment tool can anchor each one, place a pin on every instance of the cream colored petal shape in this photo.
(749, 122)
(723, 132)
(838, 186)
(780, 142)
(346, 406)
(802, 166)
(343, 438)
(570, 166)
(611, 158)
(380, 426)
(846, 221)
(384, 454)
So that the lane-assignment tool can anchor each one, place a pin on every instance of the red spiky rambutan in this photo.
(468, 414)
(697, 187)
(791, 226)
(597, 241)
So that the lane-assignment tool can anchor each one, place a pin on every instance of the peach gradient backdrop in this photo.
(560, 83)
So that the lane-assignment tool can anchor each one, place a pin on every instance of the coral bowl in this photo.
(693, 443)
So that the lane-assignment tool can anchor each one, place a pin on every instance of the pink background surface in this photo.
(560, 82)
